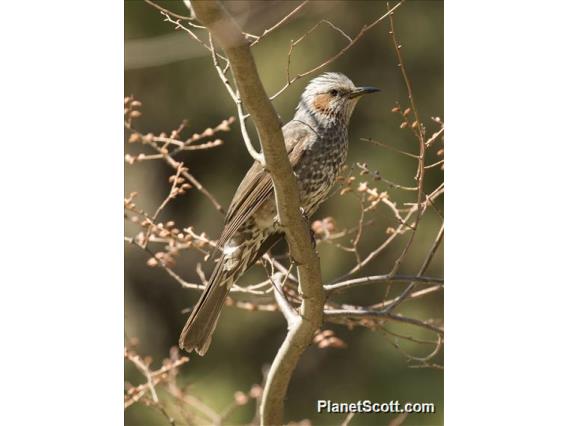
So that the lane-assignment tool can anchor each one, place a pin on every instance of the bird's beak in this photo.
(360, 91)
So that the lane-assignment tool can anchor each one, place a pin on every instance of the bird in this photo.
(317, 143)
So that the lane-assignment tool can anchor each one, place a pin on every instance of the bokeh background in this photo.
(173, 77)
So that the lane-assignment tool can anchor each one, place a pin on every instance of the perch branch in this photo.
(226, 32)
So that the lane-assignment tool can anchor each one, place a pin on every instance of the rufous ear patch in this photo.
(322, 101)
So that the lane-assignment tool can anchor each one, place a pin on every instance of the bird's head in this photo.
(331, 97)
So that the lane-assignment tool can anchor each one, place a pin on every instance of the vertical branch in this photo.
(417, 126)
(229, 36)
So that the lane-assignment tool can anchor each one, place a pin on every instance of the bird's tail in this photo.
(198, 330)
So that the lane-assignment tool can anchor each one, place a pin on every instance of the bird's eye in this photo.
(333, 92)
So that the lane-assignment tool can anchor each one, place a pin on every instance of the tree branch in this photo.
(278, 279)
(229, 36)
(356, 282)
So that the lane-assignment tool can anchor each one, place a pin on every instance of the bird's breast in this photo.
(319, 167)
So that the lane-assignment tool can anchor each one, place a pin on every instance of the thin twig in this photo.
(434, 137)
(422, 146)
(173, 163)
(423, 268)
(348, 419)
(437, 163)
(279, 23)
(392, 148)
(257, 156)
(278, 279)
(179, 26)
(414, 295)
(376, 279)
(342, 314)
(171, 195)
(328, 61)
(169, 12)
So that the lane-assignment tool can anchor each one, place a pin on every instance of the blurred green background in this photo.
(173, 77)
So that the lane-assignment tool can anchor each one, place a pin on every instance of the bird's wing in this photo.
(256, 186)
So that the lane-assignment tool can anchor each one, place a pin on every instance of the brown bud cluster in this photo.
(225, 125)
(374, 197)
(328, 339)
(363, 169)
(128, 201)
(255, 391)
(131, 108)
(345, 182)
(135, 137)
(242, 398)
(325, 227)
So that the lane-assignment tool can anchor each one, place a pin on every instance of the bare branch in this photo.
(437, 163)
(152, 379)
(357, 282)
(257, 156)
(417, 126)
(179, 26)
(280, 23)
(334, 57)
(392, 148)
(278, 279)
(348, 419)
(169, 12)
(414, 295)
(435, 136)
(334, 315)
(423, 268)
(174, 191)
(154, 142)
(229, 36)
(173, 163)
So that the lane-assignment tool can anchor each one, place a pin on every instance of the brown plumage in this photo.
(316, 141)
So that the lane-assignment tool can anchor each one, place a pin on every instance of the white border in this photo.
(506, 203)
(61, 308)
